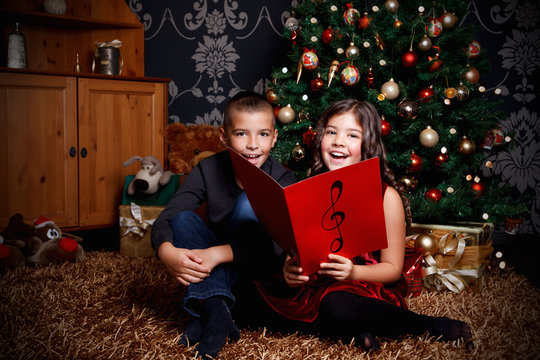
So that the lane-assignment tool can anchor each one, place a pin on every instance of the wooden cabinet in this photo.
(63, 140)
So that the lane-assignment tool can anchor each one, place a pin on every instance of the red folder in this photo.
(338, 212)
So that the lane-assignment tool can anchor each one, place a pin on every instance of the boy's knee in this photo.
(243, 209)
(185, 219)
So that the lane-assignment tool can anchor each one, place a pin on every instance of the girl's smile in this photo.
(341, 144)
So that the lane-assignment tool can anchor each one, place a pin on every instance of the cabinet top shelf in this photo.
(46, 19)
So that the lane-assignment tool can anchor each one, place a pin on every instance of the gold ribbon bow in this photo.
(136, 225)
(434, 277)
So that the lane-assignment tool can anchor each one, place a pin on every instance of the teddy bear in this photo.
(20, 235)
(189, 144)
(11, 256)
(149, 178)
(55, 245)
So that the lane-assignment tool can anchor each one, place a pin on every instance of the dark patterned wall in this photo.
(211, 49)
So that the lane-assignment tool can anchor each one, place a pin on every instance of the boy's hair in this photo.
(246, 101)
(372, 145)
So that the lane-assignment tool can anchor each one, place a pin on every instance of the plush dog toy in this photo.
(190, 144)
(149, 178)
(55, 245)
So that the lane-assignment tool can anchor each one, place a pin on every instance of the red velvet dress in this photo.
(302, 303)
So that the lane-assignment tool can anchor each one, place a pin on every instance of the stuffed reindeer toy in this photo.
(149, 178)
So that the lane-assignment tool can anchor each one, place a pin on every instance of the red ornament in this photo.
(276, 111)
(416, 163)
(294, 34)
(385, 126)
(426, 94)
(441, 159)
(308, 137)
(409, 59)
(364, 21)
(328, 36)
(317, 84)
(478, 189)
(370, 79)
(433, 194)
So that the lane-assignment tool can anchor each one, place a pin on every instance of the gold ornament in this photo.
(466, 146)
(448, 20)
(429, 137)
(450, 92)
(299, 70)
(390, 89)
(426, 243)
(391, 6)
(286, 114)
(462, 92)
(379, 40)
(298, 153)
(409, 183)
(352, 51)
(471, 75)
(332, 71)
(424, 43)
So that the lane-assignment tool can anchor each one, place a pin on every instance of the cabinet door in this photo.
(117, 120)
(38, 128)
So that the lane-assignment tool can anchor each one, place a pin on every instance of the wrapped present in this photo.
(458, 256)
(412, 270)
(135, 228)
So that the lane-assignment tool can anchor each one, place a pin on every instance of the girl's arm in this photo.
(391, 265)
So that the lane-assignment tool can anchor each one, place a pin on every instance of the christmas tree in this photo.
(421, 69)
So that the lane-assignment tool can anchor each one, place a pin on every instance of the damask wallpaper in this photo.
(211, 49)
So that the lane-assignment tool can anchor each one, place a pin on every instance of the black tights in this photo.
(346, 315)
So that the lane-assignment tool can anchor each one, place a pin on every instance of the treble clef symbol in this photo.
(336, 216)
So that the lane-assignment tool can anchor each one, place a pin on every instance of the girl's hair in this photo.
(372, 145)
(247, 101)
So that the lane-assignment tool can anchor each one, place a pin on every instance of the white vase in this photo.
(57, 7)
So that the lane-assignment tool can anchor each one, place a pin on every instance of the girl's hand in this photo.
(338, 267)
(293, 274)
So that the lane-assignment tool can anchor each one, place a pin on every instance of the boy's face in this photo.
(251, 134)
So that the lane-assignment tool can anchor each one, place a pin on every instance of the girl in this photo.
(357, 298)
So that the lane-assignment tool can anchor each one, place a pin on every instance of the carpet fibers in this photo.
(115, 307)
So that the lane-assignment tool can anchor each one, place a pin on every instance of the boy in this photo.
(206, 258)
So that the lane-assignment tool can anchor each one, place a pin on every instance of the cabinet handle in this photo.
(84, 152)
(72, 151)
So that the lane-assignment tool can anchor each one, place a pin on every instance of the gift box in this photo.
(135, 229)
(160, 198)
(458, 256)
(412, 270)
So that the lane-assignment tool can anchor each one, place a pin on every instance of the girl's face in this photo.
(341, 144)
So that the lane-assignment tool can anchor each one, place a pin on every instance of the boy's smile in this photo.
(251, 134)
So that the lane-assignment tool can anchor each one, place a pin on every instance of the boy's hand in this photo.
(338, 267)
(183, 264)
(293, 274)
(215, 255)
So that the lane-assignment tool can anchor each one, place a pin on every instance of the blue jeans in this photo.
(190, 232)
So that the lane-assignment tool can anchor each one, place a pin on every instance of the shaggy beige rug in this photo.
(114, 307)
